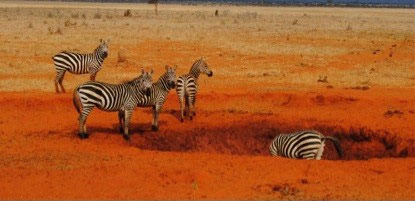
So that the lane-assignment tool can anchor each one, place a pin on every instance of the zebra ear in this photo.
(174, 67)
(100, 40)
(142, 70)
(167, 67)
(152, 71)
(203, 58)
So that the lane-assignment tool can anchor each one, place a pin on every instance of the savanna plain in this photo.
(346, 72)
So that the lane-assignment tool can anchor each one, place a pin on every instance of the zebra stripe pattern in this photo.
(110, 97)
(159, 91)
(302, 145)
(77, 63)
(187, 87)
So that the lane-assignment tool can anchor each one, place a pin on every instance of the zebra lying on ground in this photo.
(159, 91)
(302, 145)
(77, 63)
(111, 97)
(187, 87)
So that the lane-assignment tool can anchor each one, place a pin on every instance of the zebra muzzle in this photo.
(148, 92)
(210, 74)
(172, 84)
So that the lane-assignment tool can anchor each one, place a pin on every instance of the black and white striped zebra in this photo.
(302, 145)
(159, 91)
(111, 97)
(187, 87)
(78, 63)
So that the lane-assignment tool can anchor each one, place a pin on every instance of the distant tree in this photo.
(155, 2)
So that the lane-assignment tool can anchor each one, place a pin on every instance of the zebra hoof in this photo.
(154, 128)
(121, 130)
(127, 138)
(83, 135)
(181, 120)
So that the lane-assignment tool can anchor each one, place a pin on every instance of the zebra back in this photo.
(79, 63)
(302, 144)
(112, 97)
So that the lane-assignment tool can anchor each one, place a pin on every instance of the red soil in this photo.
(222, 154)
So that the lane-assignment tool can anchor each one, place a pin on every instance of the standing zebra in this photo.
(110, 97)
(77, 63)
(187, 87)
(302, 145)
(158, 95)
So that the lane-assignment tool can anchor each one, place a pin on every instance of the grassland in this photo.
(291, 46)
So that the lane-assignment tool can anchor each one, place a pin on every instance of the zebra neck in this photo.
(98, 56)
(136, 94)
(162, 84)
(194, 73)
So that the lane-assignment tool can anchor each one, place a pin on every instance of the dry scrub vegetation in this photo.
(278, 47)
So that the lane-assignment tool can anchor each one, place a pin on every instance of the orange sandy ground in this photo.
(44, 159)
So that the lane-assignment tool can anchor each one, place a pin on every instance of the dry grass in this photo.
(270, 45)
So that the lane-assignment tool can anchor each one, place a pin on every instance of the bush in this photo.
(75, 15)
(128, 13)
(97, 16)
(122, 56)
(68, 23)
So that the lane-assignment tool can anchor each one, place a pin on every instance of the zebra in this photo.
(187, 87)
(111, 97)
(158, 95)
(77, 63)
(307, 144)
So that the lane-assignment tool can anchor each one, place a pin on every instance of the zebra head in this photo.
(102, 50)
(201, 66)
(170, 76)
(144, 82)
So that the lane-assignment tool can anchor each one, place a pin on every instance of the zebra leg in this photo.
(83, 134)
(58, 80)
(127, 118)
(60, 83)
(191, 107)
(181, 101)
(92, 76)
(187, 109)
(155, 126)
(121, 120)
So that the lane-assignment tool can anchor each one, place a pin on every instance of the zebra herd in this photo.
(142, 92)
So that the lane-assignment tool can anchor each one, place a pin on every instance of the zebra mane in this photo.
(194, 70)
(196, 63)
(131, 82)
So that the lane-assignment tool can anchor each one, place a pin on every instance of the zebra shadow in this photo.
(174, 113)
(134, 128)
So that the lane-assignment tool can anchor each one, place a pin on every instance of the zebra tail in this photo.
(336, 143)
(77, 100)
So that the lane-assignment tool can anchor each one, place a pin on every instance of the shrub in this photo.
(68, 23)
(128, 13)
(97, 16)
(122, 56)
(75, 15)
